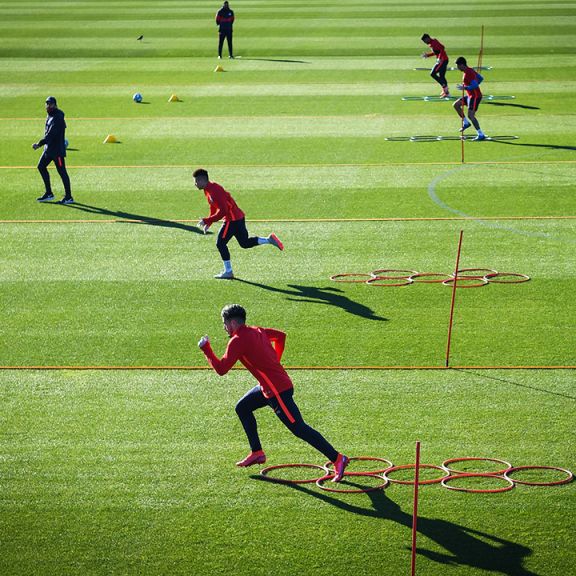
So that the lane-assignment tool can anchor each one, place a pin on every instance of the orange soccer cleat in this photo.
(257, 457)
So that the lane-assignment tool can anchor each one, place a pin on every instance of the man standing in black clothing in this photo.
(224, 21)
(54, 151)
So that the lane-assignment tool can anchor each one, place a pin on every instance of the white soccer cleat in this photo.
(225, 276)
(465, 126)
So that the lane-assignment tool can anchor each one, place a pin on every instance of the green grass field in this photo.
(113, 471)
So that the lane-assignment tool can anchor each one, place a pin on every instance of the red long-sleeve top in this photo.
(438, 50)
(260, 351)
(222, 205)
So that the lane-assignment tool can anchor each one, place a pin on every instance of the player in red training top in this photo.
(470, 83)
(223, 207)
(439, 69)
(260, 350)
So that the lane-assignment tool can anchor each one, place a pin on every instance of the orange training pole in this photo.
(453, 299)
(415, 510)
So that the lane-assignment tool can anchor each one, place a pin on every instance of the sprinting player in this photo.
(260, 350)
(223, 207)
(439, 70)
(225, 22)
(471, 83)
(54, 151)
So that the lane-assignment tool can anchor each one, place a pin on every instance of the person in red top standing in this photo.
(439, 70)
(260, 350)
(223, 207)
(471, 83)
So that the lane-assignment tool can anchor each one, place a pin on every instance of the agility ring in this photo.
(489, 273)
(512, 469)
(383, 273)
(351, 278)
(446, 465)
(509, 483)
(328, 465)
(387, 473)
(463, 282)
(264, 472)
(497, 279)
(381, 485)
(380, 281)
(431, 277)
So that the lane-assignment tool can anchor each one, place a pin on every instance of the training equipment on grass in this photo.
(432, 138)
(137, 97)
(110, 139)
(455, 276)
(218, 68)
(383, 477)
(509, 483)
(452, 98)
(174, 98)
(463, 278)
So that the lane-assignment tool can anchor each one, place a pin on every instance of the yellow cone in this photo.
(174, 98)
(110, 139)
(218, 68)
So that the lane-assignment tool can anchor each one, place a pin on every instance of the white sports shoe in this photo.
(225, 275)
(465, 126)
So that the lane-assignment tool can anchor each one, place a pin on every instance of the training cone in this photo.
(218, 68)
(174, 98)
(110, 139)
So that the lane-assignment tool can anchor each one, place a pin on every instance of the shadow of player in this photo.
(462, 546)
(128, 218)
(329, 295)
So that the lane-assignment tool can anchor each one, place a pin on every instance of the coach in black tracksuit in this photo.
(225, 20)
(54, 151)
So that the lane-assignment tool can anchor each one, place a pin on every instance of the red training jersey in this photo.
(438, 49)
(469, 76)
(260, 350)
(222, 205)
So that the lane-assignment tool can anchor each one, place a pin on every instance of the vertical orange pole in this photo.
(415, 509)
(453, 300)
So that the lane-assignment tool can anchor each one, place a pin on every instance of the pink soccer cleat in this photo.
(273, 239)
(257, 457)
(339, 467)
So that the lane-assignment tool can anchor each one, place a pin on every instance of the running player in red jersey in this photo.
(260, 350)
(223, 207)
(471, 83)
(439, 69)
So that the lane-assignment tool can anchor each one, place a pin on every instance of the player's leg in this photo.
(289, 413)
(442, 78)
(43, 169)
(458, 106)
(246, 241)
(61, 168)
(245, 407)
(472, 109)
(229, 38)
(224, 236)
(221, 37)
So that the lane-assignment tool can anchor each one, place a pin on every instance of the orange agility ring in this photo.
(517, 278)
(381, 281)
(446, 463)
(398, 274)
(380, 486)
(432, 277)
(351, 277)
(467, 282)
(389, 464)
(569, 475)
(465, 273)
(420, 482)
(265, 472)
(509, 483)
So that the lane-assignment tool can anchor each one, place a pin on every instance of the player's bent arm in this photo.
(278, 340)
(222, 365)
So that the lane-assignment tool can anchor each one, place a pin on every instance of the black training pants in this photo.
(254, 399)
(61, 169)
(236, 228)
(228, 37)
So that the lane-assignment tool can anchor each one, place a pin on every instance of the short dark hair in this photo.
(234, 312)
(200, 172)
(461, 60)
(424, 36)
